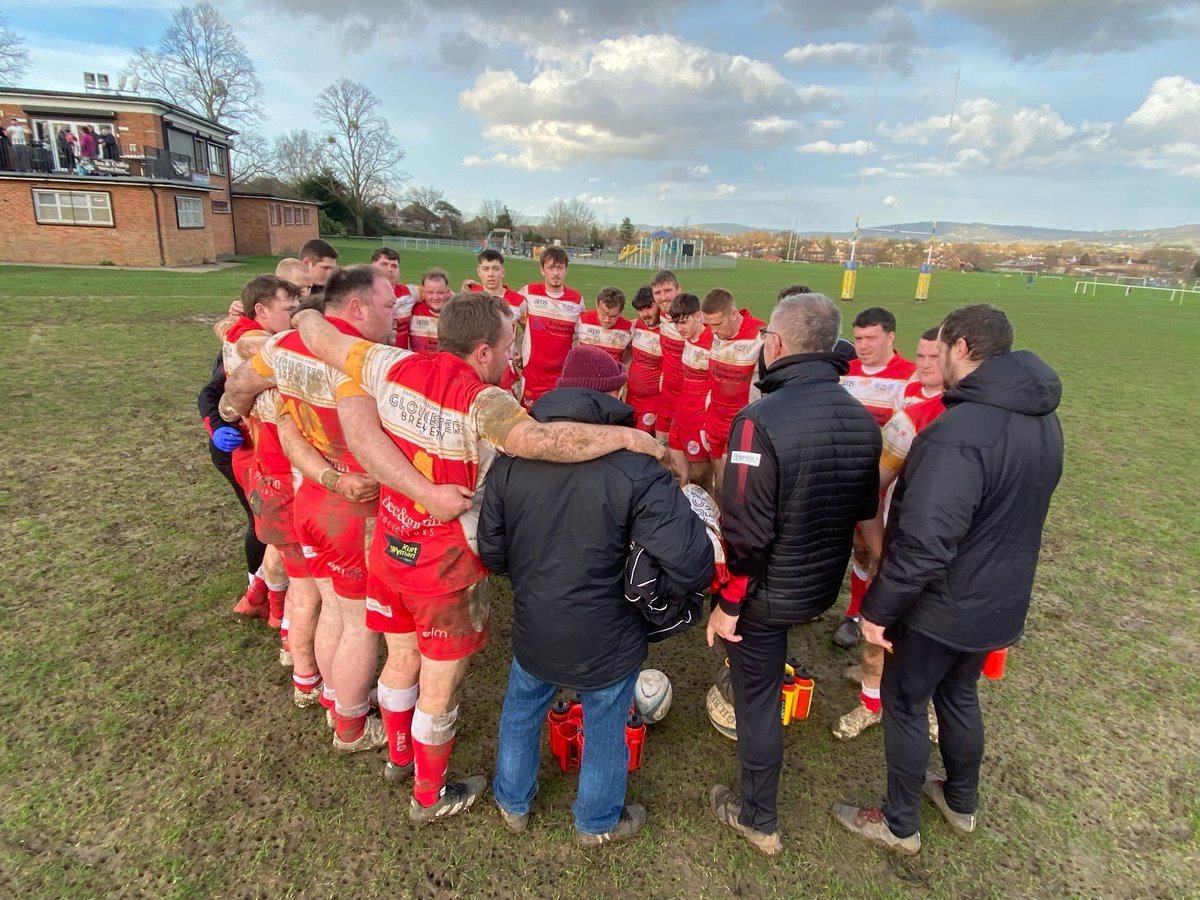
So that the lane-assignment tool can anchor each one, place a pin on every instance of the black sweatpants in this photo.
(253, 546)
(918, 669)
(756, 677)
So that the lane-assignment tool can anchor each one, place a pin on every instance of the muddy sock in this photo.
(276, 596)
(433, 741)
(396, 707)
(306, 684)
(349, 722)
(283, 634)
(328, 696)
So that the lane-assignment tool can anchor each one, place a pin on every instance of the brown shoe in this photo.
(633, 817)
(963, 823)
(870, 824)
(727, 807)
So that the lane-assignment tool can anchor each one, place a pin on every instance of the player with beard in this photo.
(434, 294)
(387, 261)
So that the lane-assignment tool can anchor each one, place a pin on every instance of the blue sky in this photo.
(1070, 113)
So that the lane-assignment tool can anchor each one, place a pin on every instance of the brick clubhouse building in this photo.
(158, 194)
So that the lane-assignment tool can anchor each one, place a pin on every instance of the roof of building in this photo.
(106, 98)
(256, 195)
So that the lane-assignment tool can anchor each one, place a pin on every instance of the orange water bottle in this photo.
(804, 693)
(635, 740)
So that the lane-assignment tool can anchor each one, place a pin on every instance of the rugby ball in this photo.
(720, 713)
(652, 695)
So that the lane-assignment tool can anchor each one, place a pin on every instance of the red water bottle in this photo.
(993, 665)
(787, 699)
(556, 717)
(635, 740)
(804, 693)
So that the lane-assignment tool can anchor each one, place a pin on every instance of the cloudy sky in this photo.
(1070, 113)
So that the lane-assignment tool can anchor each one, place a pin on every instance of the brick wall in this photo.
(133, 241)
(258, 237)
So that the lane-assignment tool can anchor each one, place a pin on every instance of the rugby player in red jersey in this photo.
(387, 261)
(428, 587)
(270, 301)
(490, 269)
(336, 504)
(604, 327)
(645, 362)
(732, 365)
(877, 379)
(665, 288)
(435, 291)
(898, 435)
(320, 258)
(689, 457)
(548, 317)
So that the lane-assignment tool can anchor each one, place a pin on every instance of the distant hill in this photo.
(985, 233)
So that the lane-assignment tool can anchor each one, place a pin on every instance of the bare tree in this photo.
(428, 197)
(489, 211)
(14, 58)
(363, 153)
(569, 220)
(202, 65)
(250, 157)
(298, 154)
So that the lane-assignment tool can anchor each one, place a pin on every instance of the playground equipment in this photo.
(501, 239)
(662, 250)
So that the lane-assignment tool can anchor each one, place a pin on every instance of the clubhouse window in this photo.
(73, 208)
(189, 212)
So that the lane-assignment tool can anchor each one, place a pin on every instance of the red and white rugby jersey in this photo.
(309, 390)
(731, 368)
(422, 337)
(694, 383)
(902, 429)
(549, 334)
(671, 344)
(269, 458)
(514, 299)
(239, 329)
(449, 424)
(613, 341)
(915, 392)
(645, 363)
(880, 391)
(407, 296)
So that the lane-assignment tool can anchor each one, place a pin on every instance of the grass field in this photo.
(150, 747)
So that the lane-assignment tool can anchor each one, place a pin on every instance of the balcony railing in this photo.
(137, 160)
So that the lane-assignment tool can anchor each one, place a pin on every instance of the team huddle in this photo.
(395, 443)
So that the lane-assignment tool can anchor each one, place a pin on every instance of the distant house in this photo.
(163, 199)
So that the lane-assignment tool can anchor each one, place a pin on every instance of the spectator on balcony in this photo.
(6, 154)
(108, 144)
(72, 142)
(88, 147)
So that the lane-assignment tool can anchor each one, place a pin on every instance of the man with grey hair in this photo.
(802, 467)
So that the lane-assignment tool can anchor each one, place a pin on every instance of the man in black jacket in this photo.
(802, 468)
(572, 624)
(959, 557)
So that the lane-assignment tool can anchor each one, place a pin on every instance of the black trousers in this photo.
(917, 670)
(756, 677)
(253, 546)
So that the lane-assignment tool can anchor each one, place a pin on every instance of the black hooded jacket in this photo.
(562, 532)
(965, 526)
(802, 469)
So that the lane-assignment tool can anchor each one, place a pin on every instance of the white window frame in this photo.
(307, 215)
(289, 215)
(192, 218)
(216, 159)
(91, 208)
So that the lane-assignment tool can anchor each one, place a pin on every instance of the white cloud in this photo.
(725, 190)
(829, 148)
(651, 97)
(1172, 109)
(595, 200)
(891, 200)
(840, 52)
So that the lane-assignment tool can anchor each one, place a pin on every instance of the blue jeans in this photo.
(605, 764)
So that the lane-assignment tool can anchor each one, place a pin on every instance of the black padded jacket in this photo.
(802, 468)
